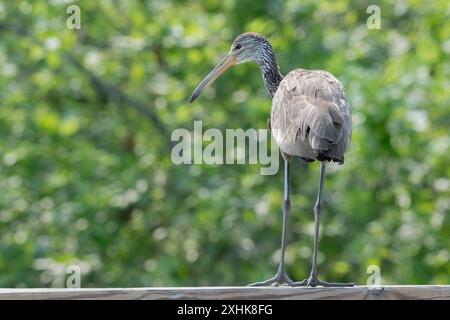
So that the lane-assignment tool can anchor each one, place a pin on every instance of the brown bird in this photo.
(310, 118)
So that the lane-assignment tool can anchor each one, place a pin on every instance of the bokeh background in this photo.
(86, 176)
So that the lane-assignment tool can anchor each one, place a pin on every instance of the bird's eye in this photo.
(238, 46)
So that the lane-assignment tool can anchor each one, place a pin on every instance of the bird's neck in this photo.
(271, 74)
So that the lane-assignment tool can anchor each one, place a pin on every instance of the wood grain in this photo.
(234, 293)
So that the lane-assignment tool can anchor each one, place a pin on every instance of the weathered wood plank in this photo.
(234, 293)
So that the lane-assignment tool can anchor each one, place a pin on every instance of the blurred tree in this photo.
(85, 170)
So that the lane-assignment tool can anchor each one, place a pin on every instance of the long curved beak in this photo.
(223, 66)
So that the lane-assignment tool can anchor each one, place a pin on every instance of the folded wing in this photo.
(311, 117)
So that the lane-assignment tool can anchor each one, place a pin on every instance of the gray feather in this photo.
(311, 117)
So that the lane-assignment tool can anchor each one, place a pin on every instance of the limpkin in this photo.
(310, 119)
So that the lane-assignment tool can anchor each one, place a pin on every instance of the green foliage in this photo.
(85, 119)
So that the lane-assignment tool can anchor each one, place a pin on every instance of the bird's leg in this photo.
(281, 277)
(313, 280)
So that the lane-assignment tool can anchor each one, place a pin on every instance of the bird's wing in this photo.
(310, 106)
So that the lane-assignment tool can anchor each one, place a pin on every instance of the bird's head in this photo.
(249, 46)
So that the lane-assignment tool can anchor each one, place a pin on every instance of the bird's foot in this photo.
(314, 282)
(280, 279)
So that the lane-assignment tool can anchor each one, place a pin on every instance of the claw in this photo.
(302, 283)
(335, 284)
(314, 282)
(279, 280)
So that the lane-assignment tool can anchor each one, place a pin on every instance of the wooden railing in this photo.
(428, 292)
